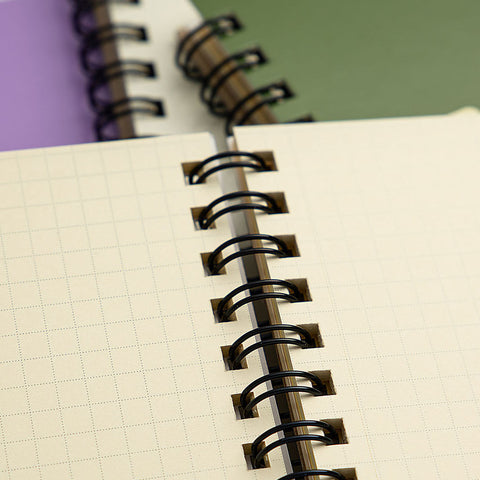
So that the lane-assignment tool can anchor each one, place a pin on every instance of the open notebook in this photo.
(118, 346)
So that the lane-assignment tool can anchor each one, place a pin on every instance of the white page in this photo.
(386, 217)
(163, 19)
(110, 360)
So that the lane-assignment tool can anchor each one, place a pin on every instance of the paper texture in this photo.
(386, 217)
(110, 359)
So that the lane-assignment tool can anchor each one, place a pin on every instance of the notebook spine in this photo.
(112, 106)
(225, 89)
(282, 382)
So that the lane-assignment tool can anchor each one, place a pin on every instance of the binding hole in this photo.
(196, 173)
(216, 262)
(273, 203)
(247, 401)
(267, 338)
(297, 292)
(273, 93)
(337, 474)
(328, 437)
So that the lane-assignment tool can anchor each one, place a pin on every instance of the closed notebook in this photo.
(136, 344)
(273, 61)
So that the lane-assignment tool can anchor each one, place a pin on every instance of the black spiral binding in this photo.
(247, 405)
(83, 10)
(282, 250)
(206, 217)
(245, 60)
(259, 453)
(270, 94)
(224, 311)
(219, 76)
(129, 106)
(249, 160)
(222, 25)
(262, 337)
(101, 78)
(101, 75)
(235, 356)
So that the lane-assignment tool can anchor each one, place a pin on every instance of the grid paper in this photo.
(386, 215)
(110, 360)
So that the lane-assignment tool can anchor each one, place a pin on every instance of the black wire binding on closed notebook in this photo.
(244, 60)
(270, 95)
(101, 76)
(83, 9)
(329, 437)
(217, 80)
(221, 25)
(235, 356)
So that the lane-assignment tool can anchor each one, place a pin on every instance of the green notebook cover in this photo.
(362, 59)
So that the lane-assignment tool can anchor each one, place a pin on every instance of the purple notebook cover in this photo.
(42, 88)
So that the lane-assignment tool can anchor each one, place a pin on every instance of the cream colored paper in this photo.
(110, 360)
(386, 214)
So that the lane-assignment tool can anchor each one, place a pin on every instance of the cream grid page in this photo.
(110, 359)
(386, 215)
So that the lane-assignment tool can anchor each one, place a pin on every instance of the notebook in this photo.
(254, 66)
(134, 344)
(127, 53)
(346, 60)
(111, 363)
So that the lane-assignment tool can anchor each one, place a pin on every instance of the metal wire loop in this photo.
(254, 161)
(247, 405)
(330, 437)
(221, 25)
(83, 9)
(294, 295)
(107, 73)
(125, 107)
(305, 341)
(205, 220)
(274, 93)
(282, 250)
(308, 473)
(240, 61)
(106, 34)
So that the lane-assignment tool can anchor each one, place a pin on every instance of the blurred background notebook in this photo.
(341, 60)
(350, 59)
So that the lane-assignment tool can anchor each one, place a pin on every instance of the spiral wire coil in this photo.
(101, 75)
(265, 336)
